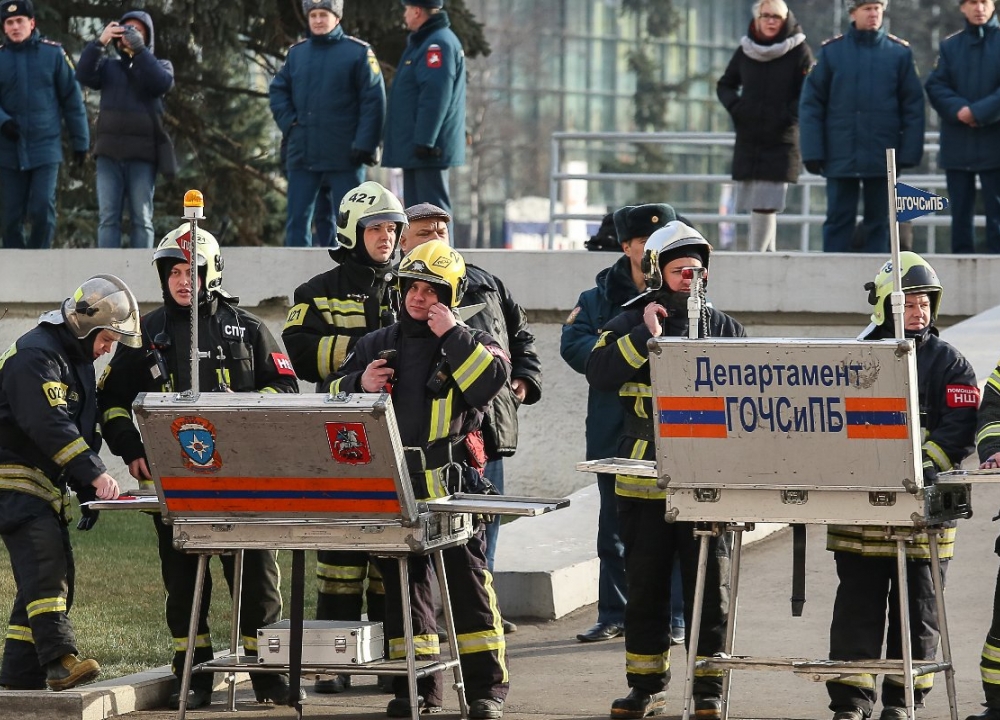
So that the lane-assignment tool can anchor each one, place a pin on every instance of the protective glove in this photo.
(88, 518)
(133, 38)
(426, 152)
(362, 157)
(79, 157)
(814, 166)
(11, 130)
(930, 475)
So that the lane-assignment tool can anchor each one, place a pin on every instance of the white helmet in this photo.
(209, 254)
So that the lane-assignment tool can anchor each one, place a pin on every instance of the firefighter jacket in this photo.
(579, 334)
(620, 361)
(38, 91)
(251, 361)
(862, 96)
(967, 73)
(329, 99)
(331, 312)
(48, 417)
(505, 321)
(948, 398)
(988, 432)
(439, 392)
(427, 100)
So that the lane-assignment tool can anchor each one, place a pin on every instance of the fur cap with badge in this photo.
(853, 5)
(334, 6)
(429, 4)
(15, 8)
(633, 221)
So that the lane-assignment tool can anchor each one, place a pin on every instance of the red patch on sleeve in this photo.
(435, 58)
(283, 364)
(498, 352)
(963, 396)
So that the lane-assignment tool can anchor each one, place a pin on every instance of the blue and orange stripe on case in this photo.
(692, 417)
(279, 495)
(876, 419)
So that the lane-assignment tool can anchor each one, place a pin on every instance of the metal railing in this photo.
(805, 218)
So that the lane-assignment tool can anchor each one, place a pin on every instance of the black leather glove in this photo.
(11, 130)
(362, 157)
(426, 152)
(814, 166)
(79, 157)
(88, 518)
(930, 475)
(133, 37)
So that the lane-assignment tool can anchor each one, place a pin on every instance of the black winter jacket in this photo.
(762, 96)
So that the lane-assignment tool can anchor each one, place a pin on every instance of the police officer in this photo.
(620, 362)
(866, 559)
(443, 376)
(242, 357)
(48, 441)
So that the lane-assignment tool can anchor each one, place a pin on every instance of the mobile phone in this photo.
(388, 355)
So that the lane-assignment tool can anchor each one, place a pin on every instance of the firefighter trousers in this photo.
(481, 646)
(989, 664)
(260, 601)
(651, 544)
(341, 592)
(868, 596)
(41, 558)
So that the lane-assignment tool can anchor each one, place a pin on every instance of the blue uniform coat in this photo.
(427, 99)
(862, 96)
(37, 90)
(327, 99)
(967, 73)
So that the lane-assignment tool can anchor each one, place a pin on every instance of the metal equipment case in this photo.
(324, 642)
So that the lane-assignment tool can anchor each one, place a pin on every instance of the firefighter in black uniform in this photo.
(988, 445)
(620, 362)
(442, 376)
(865, 557)
(242, 357)
(329, 313)
(48, 441)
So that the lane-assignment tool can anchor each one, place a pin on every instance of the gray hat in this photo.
(334, 6)
(426, 210)
(853, 5)
(423, 3)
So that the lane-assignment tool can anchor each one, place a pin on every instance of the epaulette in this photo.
(51, 42)
(359, 41)
(833, 39)
(296, 44)
(900, 40)
(957, 32)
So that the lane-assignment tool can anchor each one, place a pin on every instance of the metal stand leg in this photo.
(449, 623)
(734, 588)
(904, 626)
(695, 630)
(199, 586)
(411, 654)
(949, 673)
(295, 630)
(234, 627)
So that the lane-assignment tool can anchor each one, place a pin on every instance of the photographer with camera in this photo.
(242, 356)
(130, 144)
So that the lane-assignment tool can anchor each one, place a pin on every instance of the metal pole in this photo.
(199, 586)
(897, 279)
(694, 632)
(904, 626)
(194, 209)
(234, 625)
(734, 590)
(411, 653)
(449, 623)
(938, 579)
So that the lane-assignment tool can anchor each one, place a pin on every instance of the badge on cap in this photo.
(434, 57)
(655, 218)
(11, 8)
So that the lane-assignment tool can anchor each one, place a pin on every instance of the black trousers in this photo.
(651, 544)
(260, 603)
(41, 558)
(341, 593)
(989, 664)
(866, 615)
(481, 645)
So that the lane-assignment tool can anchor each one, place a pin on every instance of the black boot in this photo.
(273, 688)
(199, 694)
(990, 713)
(639, 704)
(399, 707)
(708, 707)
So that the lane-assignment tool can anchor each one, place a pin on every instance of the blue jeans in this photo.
(842, 195)
(611, 593)
(494, 473)
(962, 193)
(122, 183)
(303, 188)
(29, 195)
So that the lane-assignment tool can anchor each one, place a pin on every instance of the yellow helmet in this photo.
(917, 276)
(435, 262)
(209, 254)
(104, 302)
(365, 205)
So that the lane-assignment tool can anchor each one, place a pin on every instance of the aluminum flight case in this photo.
(324, 642)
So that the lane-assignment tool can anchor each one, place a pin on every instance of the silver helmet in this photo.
(104, 302)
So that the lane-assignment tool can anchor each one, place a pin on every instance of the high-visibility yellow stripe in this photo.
(340, 346)
(991, 653)
(629, 352)
(115, 412)
(423, 645)
(987, 431)
(19, 632)
(250, 643)
(862, 680)
(71, 450)
(440, 417)
(340, 572)
(920, 682)
(324, 356)
(706, 672)
(647, 664)
(939, 456)
(46, 605)
(335, 587)
(200, 641)
(989, 675)
(473, 368)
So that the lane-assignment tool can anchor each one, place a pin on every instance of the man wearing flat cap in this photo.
(38, 92)
(425, 128)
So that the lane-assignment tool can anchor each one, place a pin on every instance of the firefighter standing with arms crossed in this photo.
(442, 377)
(48, 440)
(329, 314)
(242, 357)
(620, 361)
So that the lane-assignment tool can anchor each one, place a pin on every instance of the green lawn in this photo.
(118, 610)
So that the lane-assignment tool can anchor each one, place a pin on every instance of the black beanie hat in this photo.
(634, 221)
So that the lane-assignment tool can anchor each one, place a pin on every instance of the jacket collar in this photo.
(979, 31)
(333, 36)
(436, 22)
(867, 37)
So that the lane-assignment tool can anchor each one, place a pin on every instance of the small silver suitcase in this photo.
(324, 642)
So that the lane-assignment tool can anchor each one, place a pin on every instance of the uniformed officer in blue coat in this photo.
(862, 97)
(37, 92)
(425, 130)
(329, 102)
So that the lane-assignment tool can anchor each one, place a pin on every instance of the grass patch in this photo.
(118, 609)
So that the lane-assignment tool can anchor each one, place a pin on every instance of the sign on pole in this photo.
(913, 202)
